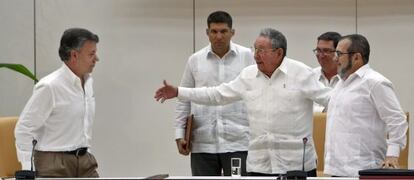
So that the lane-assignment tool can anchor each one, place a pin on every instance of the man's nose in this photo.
(219, 35)
(256, 56)
(336, 59)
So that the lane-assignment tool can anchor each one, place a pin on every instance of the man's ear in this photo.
(207, 31)
(279, 51)
(233, 32)
(73, 53)
(73, 56)
(357, 56)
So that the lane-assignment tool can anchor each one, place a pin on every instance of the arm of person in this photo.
(316, 91)
(183, 109)
(391, 113)
(36, 111)
(223, 94)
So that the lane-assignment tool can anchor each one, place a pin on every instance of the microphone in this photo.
(297, 174)
(28, 174)
(34, 142)
(305, 140)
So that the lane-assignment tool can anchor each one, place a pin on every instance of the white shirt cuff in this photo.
(393, 150)
(26, 165)
(182, 93)
(179, 133)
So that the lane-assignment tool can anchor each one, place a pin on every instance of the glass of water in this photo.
(235, 167)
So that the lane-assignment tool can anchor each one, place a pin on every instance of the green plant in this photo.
(21, 69)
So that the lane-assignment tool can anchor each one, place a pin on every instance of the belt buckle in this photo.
(77, 152)
(80, 152)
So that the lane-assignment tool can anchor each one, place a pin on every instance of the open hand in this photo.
(166, 92)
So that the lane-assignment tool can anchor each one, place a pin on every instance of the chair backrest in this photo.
(403, 160)
(8, 157)
(319, 127)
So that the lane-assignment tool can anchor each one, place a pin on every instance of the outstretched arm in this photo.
(166, 92)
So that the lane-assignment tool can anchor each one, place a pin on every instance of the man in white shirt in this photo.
(325, 53)
(60, 113)
(219, 132)
(362, 111)
(279, 93)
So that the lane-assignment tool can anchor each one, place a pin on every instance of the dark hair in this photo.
(359, 44)
(220, 17)
(330, 36)
(277, 39)
(74, 38)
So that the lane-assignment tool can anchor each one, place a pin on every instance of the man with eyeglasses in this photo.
(219, 132)
(325, 53)
(279, 93)
(362, 112)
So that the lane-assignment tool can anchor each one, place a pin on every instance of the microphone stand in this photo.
(28, 174)
(297, 174)
(305, 140)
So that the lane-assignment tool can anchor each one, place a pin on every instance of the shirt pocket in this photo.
(289, 153)
(253, 101)
(204, 129)
(253, 95)
(289, 100)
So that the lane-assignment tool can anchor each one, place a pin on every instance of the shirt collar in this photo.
(283, 67)
(358, 73)
(362, 70)
(322, 75)
(72, 77)
(233, 50)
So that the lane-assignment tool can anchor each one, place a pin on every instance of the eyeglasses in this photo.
(261, 51)
(339, 53)
(324, 51)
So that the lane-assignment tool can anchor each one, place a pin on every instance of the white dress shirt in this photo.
(279, 110)
(325, 81)
(217, 129)
(362, 111)
(59, 115)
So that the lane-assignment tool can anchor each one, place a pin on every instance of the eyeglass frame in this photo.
(324, 51)
(262, 51)
(339, 53)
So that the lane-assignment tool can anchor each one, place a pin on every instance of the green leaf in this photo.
(21, 69)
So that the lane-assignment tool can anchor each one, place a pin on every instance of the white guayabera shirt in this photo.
(279, 110)
(362, 111)
(217, 129)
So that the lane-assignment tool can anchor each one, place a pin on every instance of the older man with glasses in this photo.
(279, 93)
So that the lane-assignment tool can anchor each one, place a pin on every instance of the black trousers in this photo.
(207, 164)
(311, 173)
